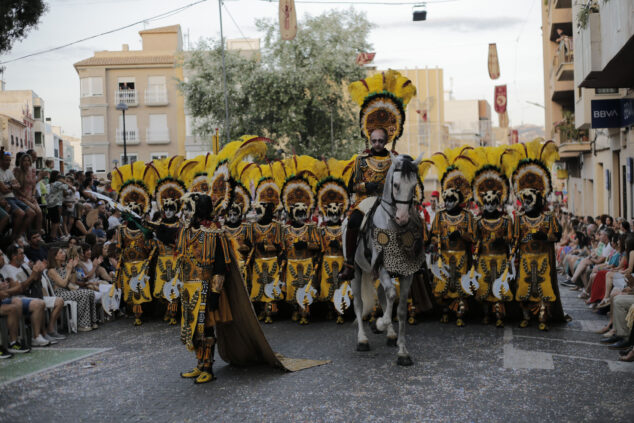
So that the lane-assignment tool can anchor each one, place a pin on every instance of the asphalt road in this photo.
(472, 374)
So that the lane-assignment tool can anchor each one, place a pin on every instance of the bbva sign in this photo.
(615, 113)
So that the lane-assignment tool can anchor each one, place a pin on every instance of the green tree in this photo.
(16, 18)
(294, 93)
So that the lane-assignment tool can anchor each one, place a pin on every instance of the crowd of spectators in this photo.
(596, 257)
(56, 246)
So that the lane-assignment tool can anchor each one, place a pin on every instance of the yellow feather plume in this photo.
(195, 166)
(391, 81)
(135, 171)
(341, 169)
(424, 168)
(252, 146)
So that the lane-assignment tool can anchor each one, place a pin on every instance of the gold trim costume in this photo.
(136, 248)
(494, 231)
(536, 231)
(454, 229)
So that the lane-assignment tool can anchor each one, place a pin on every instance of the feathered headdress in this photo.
(128, 181)
(168, 183)
(529, 165)
(196, 175)
(383, 98)
(333, 189)
(455, 170)
(296, 189)
(490, 173)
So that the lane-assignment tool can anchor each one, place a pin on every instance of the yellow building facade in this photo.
(146, 82)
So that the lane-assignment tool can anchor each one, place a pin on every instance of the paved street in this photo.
(475, 373)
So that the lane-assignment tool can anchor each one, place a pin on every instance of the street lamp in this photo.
(123, 107)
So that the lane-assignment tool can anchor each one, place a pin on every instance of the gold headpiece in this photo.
(383, 98)
(333, 189)
(490, 173)
(128, 181)
(168, 184)
(240, 196)
(267, 191)
(529, 165)
(455, 170)
(196, 174)
(297, 190)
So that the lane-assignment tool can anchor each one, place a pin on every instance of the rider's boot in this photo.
(347, 273)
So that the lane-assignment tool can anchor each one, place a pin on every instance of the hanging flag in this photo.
(494, 64)
(500, 98)
(503, 120)
(365, 58)
(288, 19)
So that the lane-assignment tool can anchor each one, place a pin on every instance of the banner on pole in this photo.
(365, 58)
(215, 142)
(503, 120)
(500, 98)
(494, 64)
(288, 19)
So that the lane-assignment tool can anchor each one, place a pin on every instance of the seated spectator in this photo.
(62, 274)
(114, 220)
(621, 338)
(11, 307)
(615, 281)
(79, 227)
(36, 250)
(97, 231)
(27, 180)
(614, 261)
(21, 213)
(20, 282)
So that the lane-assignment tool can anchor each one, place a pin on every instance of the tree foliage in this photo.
(17, 17)
(293, 93)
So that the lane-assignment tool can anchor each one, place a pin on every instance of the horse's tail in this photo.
(368, 293)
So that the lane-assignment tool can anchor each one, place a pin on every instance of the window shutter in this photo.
(86, 125)
(96, 86)
(97, 125)
(85, 87)
(158, 122)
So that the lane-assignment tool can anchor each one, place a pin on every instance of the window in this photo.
(95, 162)
(132, 157)
(158, 156)
(126, 83)
(21, 142)
(38, 138)
(189, 125)
(91, 87)
(156, 92)
(606, 90)
(37, 112)
(130, 122)
(92, 125)
(157, 132)
(11, 139)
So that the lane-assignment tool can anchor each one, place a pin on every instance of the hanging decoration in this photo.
(494, 64)
(288, 19)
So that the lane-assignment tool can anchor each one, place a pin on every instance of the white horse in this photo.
(394, 238)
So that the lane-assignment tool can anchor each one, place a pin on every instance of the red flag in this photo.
(500, 98)
(365, 58)
(494, 64)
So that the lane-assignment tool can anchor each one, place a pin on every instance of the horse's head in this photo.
(400, 186)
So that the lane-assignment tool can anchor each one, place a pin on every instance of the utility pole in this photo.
(224, 76)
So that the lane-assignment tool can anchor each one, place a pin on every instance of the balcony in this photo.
(589, 54)
(563, 62)
(155, 97)
(559, 17)
(562, 91)
(128, 97)
(131, 137)
(572, 149)
(157, 136)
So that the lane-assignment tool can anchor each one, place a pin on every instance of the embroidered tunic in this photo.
(136, 253)
(495, 238)
(300, 246)
(267, 247)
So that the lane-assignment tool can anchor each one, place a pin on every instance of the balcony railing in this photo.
(128, 97)
(131, 136)
(157, 136)
(156, 97)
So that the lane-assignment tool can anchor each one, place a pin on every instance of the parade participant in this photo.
(301, 243)
(136, 248)
(454, 230)
(494, 232)
(536, 230)
(333, 202)
(168, 191)
(382, 98)
(239, 231)
(267, 249)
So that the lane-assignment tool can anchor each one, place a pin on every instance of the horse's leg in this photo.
(385, 322)
(403, 355)
(380, 293)
(362, 339)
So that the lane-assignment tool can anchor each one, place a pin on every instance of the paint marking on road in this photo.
(522, 359)
(591, 325)
(567, 341)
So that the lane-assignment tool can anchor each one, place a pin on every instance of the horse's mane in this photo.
(407, 166)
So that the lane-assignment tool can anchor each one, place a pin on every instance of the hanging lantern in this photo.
(288, 19)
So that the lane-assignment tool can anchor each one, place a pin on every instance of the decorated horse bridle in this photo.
(394, 201)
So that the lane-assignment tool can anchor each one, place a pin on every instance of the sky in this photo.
(455, 37)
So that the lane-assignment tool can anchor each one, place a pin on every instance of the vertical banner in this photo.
(500, 98)
(288, 19)
(503, 120)
(494, 64)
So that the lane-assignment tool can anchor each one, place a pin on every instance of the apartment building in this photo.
(12, 133)
(26, 107)
(143, 82)
(599, 156)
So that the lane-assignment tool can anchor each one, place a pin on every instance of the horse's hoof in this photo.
(363, 346)
(499, 323)
(375, 328)
(404, 361)
(459, 322)
(391, 342)
(543, 326)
